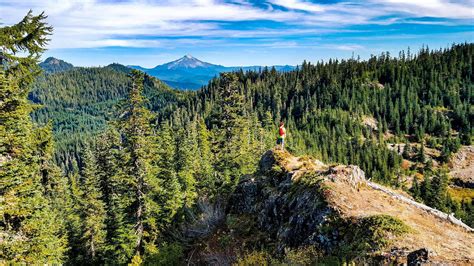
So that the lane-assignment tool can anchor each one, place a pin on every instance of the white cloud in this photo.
(139, 23)
(301, 5)
(431, 8)
(347, 47)
(92, 22)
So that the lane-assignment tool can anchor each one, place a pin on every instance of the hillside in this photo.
(80, 102)
(297, 202)
(386, 115)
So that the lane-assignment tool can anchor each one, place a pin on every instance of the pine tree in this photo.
(136, 130)
(72, 214)
(153, 200)
(204, 172)
(94, 214)
(426, 191)
(421, 153)
(232, 143)
(185, 162)
(28, 229)
(415, 189)
(439, 185)
(406, 150)
(171, 196)
(115, 189)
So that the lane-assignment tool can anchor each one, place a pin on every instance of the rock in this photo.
(4, 159)
(370, 122)
(462, 167)
(267, 161)
(244, 198)
(347, 173)
(418, 257)
(298, 201)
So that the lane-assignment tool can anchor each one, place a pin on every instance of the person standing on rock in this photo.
(282, 135)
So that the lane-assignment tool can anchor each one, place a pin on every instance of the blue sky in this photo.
(243, 32)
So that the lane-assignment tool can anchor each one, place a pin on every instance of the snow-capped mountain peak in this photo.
(187, 61)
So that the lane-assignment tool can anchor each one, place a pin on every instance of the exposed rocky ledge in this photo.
(302, 201)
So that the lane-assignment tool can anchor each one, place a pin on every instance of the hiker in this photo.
(282, 135)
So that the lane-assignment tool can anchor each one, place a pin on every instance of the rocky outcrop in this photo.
(462, 167)
(301, 201)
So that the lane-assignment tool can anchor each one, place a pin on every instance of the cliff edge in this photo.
(300, 201)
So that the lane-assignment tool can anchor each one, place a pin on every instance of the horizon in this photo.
(414, 52)
(243, 32)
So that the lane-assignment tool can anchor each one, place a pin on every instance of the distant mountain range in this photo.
(191, 73)
(185, 73)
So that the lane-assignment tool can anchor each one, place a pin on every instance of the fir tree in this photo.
(154, 199)
(28, 229)
(421, 153)
(406, 150)
(204, 172)
(94, 214)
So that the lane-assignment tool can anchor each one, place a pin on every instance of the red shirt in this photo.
(282, 132)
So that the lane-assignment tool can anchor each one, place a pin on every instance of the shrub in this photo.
(168, 254)
(370, 235)
(255, 258)
(307, 255)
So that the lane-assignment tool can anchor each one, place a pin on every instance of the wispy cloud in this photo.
(97, 23)
(348, 47)
(432, 8)
(233, 27)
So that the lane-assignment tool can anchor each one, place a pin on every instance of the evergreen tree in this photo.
(233, 140)
(153, 200)
(421, 153)
(28, 229)
(439, 196)
(140, 171)
(415, 189)
(185, 162)
(204, 172)
(94, 214)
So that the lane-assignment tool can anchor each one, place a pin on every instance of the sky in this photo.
(243, 32)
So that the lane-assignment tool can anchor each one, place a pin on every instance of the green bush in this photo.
(371, 234)
(255, 258)
(307, 255)
(168, 254)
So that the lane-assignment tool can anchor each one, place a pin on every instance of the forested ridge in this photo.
(79, 102)
(132, 162)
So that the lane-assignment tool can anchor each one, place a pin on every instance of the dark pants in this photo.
(281, 141)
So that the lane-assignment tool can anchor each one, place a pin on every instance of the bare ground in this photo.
(462, 164)
(447, 242)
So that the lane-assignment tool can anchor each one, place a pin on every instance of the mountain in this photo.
(189, 72)
(187, 62)
(54, 65)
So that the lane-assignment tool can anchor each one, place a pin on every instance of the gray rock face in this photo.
(418, 257)
(290, 213)
(296, 202)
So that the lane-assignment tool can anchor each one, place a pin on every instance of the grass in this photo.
(371, 234)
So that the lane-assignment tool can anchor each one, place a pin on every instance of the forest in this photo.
(107, 165)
